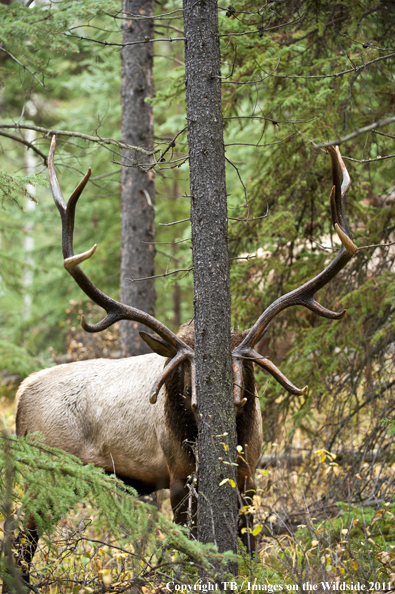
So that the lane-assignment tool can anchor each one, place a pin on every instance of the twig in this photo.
(242, 183)
(145, 40)
(261, 145)
(167, 26)
(247, 257)
(2, 48)
(161, 275)
(336, 74)
(369, 160)
(232, 69)
(167, 242)
(273, 120)
(173, 223)
(381, 245)
(383, 134)
(176, 60)
(26, 143)
(98, 139)
(105, 175)
(252, 82)
(137, 17)
(358, 132)
(259, 30)
(248, 220)
(172, 143)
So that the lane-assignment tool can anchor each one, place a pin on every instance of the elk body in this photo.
(100, 410)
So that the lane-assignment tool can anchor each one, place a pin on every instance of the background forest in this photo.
(296, 74)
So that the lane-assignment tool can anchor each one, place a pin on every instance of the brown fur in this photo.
(99, 410)
(182, 425)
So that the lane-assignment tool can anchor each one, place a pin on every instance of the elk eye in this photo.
(188, 391)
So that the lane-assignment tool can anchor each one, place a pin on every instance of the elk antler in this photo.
(115, 311)
(304, 295)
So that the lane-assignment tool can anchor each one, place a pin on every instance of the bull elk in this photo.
(99, 410)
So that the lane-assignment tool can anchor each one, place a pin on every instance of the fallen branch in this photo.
(342, 457)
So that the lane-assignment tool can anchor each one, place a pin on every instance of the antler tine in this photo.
(67, 212)
(341, 180)
(304, 295)
(115, 311)
(55, 187)
(179, 358)
(280, 377)
(338, 192)
(269, 366)
(237, 366)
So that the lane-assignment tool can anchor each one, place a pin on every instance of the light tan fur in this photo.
(99, 411)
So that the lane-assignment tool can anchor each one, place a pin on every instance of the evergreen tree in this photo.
(217, 503)
(137, 184)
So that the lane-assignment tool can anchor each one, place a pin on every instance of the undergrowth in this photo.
(113, 543)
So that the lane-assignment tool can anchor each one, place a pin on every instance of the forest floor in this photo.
(303, 536)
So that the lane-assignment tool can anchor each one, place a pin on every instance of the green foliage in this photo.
(302, 74)
(320, 81)
(13, 187)
(17, 359)
(82, 94)
(46, 28)
(357, 545)
(144, 536)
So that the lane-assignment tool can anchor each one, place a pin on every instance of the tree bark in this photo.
(217, 503)
(138, 190)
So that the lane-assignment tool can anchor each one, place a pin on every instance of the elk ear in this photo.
(158, 345)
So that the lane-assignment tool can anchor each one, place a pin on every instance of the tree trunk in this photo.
(138, 190)
(217, 504)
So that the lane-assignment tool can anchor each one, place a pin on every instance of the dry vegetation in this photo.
(304, 533)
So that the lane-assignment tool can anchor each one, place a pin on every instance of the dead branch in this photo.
(358, 132)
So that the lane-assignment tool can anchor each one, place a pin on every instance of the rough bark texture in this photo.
(217, 506)
(138, 191)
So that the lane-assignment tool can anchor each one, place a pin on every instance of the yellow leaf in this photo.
(232, 483)
(354, 565)
(379, 514)
(98, 564)
(257, 530)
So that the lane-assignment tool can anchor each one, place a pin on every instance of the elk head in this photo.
(169, 345)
